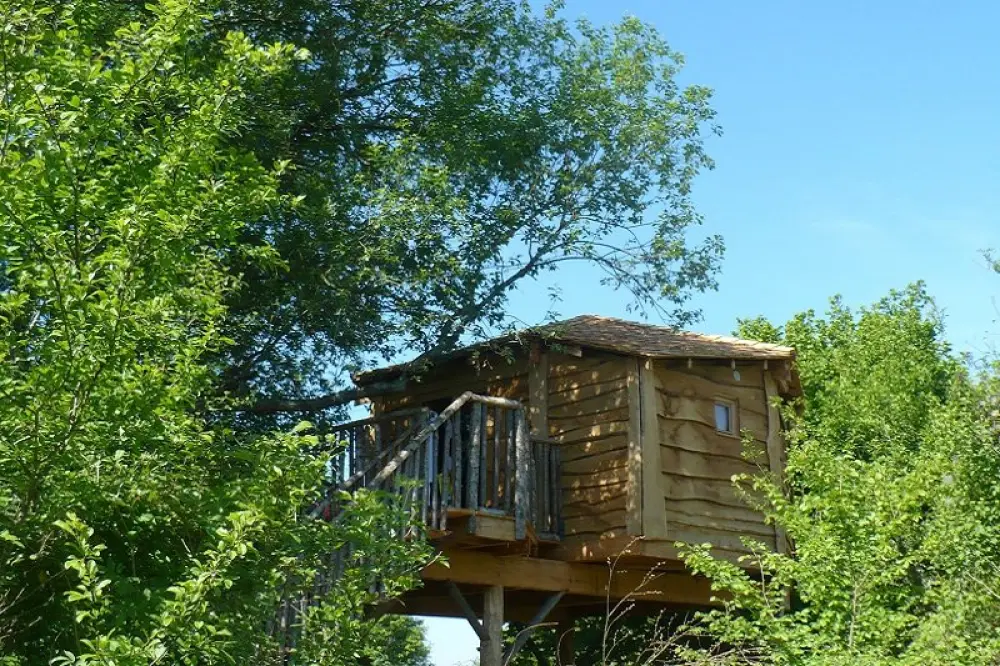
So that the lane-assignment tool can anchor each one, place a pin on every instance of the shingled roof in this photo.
(637, 339)
(621, 336)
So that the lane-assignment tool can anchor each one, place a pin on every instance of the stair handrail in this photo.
(348, 483)
(383, 417)
(436, 423)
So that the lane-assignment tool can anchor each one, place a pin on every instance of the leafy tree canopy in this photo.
(132, 531)
(206, 200)
(446, 152)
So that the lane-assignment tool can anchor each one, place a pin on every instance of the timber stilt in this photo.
(491, 647)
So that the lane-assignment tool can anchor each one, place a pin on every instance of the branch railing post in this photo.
(475, 453)
(523, 478)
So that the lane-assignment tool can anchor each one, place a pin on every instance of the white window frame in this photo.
(734, 416)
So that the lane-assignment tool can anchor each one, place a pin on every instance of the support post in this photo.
(775, 450)
(491, 648)
(538, 391)
(565, 635)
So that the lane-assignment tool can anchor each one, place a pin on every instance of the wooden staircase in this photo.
(472, 464)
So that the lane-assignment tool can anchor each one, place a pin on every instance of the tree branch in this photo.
(335, 399)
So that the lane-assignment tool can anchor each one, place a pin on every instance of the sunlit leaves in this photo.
(892, 472)
(131, 530)
(448, 154)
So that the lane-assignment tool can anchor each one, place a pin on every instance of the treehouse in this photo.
(539, 456)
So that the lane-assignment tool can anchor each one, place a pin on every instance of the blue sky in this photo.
(861, 152)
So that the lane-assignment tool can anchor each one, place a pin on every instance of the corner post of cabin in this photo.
(538, 391)
(634, 490)
(775, 447)
(491, 647)
(654, 508)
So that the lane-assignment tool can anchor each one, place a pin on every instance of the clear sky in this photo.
(861, 152)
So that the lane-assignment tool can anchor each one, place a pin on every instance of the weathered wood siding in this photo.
(637, 437)
(490, 374)
(698, 462)
(588, 413)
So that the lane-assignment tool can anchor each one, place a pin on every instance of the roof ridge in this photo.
(712, 337)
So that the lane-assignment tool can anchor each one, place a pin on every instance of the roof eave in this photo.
(392, 371)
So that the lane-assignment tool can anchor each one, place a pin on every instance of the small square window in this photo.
(725, 417)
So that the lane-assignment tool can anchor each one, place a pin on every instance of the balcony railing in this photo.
(474, 455)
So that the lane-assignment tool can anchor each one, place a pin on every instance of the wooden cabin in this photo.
(539, 456)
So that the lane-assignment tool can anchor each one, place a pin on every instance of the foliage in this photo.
(131, 530)
(446, 153)
(618, 638)
(891, 503)
(399, 640)
(191, 211)
(890, 500)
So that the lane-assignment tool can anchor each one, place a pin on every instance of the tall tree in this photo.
(187, 211)
(132, 531)
(447, 152)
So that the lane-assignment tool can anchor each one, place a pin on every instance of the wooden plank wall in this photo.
(588, 413)
(698, 463)
(490, 374)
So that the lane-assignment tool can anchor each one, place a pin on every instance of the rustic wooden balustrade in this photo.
(475, 455)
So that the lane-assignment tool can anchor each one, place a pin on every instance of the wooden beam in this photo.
(660, 552)
(491, 647)
(496, 528)
(433, 600)
(775, 450)
(633, 497)
(654, 490)
(577, 578)
(480, 528)
(533, 624)
(470, 615)
(538, 391)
